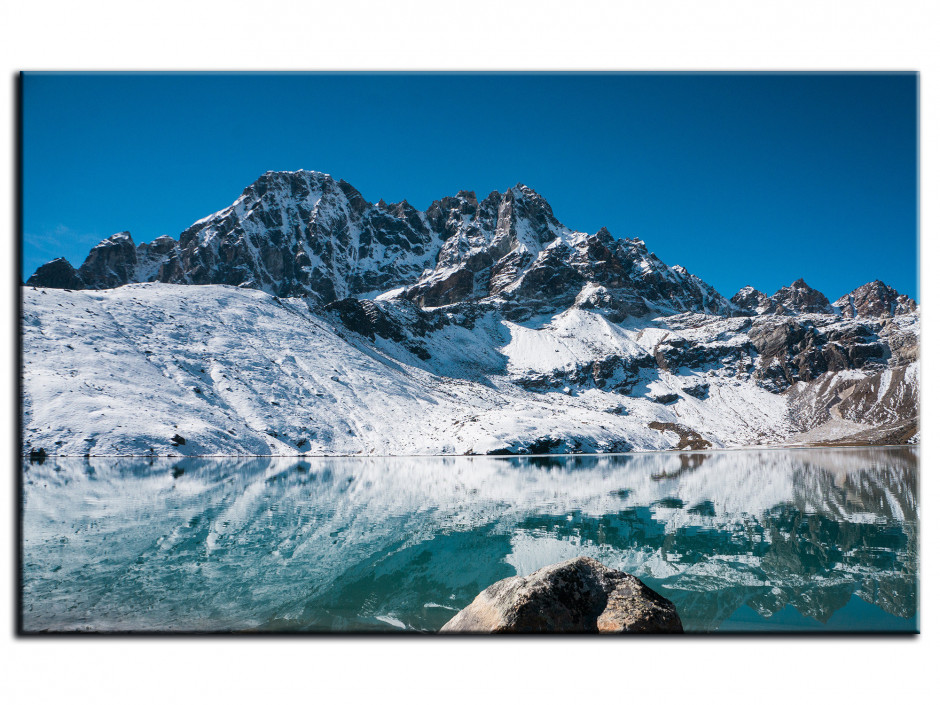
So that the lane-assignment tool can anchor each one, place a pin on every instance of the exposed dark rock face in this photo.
(57, 274)
(612, 374)
(787, 350)
(800, 297)
(676, 353)
(616, 306)
(577, 596)
(368, 319)
(875, 300)
(793, 349)
(290, 234)
(699, 391)
(111, 263)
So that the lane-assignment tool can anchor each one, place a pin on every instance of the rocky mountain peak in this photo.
(876, 300)
(800, 297)
(303, 233)
(116, 239)
(112, 262)
(289, 183)
(530, 204)
(57, 274)
(753, 302)
(468, 196)
(358, 203)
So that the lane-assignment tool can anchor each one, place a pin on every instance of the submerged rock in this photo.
(580, 595)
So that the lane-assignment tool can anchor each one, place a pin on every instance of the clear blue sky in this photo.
(743, 178)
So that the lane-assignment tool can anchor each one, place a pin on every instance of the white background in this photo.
(423, 34)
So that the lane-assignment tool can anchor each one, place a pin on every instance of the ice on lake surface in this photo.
(768, 540)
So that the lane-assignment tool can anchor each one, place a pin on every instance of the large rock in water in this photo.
(576, 596)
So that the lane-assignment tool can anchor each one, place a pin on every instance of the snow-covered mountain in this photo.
(327, 325)
(304, 234)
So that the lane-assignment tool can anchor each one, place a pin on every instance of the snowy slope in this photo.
(237, 371)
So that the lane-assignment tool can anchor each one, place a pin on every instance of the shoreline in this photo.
(814, 446)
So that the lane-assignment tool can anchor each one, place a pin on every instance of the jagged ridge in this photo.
(305, 234)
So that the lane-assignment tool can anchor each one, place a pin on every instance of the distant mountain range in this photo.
(486, 325)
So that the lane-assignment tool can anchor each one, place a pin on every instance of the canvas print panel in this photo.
(327, 407)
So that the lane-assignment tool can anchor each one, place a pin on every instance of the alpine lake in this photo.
(783, 540)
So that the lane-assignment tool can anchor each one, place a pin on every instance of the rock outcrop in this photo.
(57, 274)
(112, 262)
(576, 596)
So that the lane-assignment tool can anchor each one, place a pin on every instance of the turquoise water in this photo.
(770, 540)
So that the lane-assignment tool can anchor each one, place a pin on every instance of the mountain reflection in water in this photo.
(739, 540)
